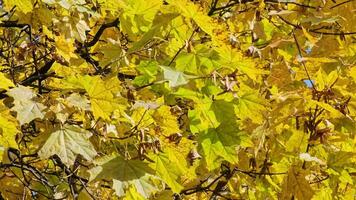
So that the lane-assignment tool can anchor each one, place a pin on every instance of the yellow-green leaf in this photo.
(103, 94)
(67, 143)
(170, 168)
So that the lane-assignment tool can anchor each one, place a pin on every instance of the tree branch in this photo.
(40, 75)
(101, 30)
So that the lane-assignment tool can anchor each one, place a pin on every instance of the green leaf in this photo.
(224, 111)
(200, 61)
(148, 71)
(159, 22)
(341, 159)
(67, 143)
(125, 173)
(138, 15)
(170, 168)
(221, 144)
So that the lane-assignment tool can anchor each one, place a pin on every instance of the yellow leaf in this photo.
(191, 11)
(111, 5)
(334, 113)
(320, 60)
(324, 80)
(166, 121)
(284, 54)
(65, 47)
(132, 194)
(169, 167)
(309, 37)
(23, 5)
(353, 73)
(8, 128)
(233, 59)
(5, 83)
(250, 105)
(47, 32)
(296, 185)
(103, 94)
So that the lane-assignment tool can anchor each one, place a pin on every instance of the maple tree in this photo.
(177, 99)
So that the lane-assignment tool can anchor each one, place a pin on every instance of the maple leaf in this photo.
(78, 101)
(169, 167)
(103, 95)
(166, 121)
(250, 105)
(26, 108)
(296, 185)
(185, 99)
(5, 82)
(125, 173)
(221, 144)
(25, 6)
(67, 143)
(175, 78)
(8, 128)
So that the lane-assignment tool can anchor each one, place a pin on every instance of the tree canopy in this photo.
(177, 99)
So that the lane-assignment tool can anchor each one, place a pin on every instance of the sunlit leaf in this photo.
(26, 108)
(250, 105)
(175, 78)
(67, 143)
(23, 5)
(221, 144)
(5, 83)
(169, 167)
(103, 95)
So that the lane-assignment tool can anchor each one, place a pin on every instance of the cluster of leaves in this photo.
(177, 99)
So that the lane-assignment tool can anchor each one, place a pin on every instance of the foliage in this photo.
(177, 99)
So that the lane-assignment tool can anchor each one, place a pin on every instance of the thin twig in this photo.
(101, 31)
(181, 48)
(302, 61)
(339, 4)
(316, 30)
